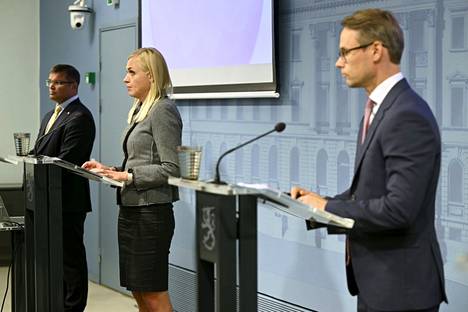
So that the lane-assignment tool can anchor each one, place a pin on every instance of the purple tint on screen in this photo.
(206, 33)
(263, 53)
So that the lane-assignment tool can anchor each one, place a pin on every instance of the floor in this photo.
(100, 298)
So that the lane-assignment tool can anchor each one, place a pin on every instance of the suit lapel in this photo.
(386, 104)
(358, 145)
(127, 132)
(63, 118)
(44, 122)
(65, 115)
(362, 148)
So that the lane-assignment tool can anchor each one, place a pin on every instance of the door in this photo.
(116, 45)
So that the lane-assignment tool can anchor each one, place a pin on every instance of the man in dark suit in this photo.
(392, 254)
(68, 132)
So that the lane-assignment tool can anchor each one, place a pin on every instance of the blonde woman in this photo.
(146, 220)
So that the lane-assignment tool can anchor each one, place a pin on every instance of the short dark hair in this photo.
(381, 25)
(71, 72)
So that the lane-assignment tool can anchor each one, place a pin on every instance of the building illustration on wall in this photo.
(323, 115)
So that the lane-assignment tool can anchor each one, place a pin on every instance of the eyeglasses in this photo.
(49, 82)
(344, 52)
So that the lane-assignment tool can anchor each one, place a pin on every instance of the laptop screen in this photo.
(8, 223)
(3, 212)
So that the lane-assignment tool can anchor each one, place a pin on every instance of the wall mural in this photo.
(317, 148)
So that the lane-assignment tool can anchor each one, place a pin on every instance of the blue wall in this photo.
(60, 44)
(317, 148)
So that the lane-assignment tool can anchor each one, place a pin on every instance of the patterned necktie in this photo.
(367, 114)
(53, 118)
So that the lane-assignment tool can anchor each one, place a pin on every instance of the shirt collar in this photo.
(67, 102)
(381, 91)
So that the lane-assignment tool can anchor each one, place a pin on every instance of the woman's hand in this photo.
(115, 175)
(105, 171)
(93, 165)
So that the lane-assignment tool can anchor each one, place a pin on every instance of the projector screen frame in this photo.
(229, 91)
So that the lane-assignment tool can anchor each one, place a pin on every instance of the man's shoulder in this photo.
(77, 105)
(409, 105)
(402, 92)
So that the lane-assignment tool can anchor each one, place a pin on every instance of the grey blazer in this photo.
(150, 153)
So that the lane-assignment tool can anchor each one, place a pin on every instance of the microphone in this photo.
(76, 116)
(279, 127)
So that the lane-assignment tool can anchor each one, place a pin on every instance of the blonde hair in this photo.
(152, 62)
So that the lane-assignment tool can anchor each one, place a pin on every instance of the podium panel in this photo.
(216, 236)
(43, 237)
(226, 217)
(226, 222)
(38, 273)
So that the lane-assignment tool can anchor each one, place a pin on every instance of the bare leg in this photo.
(141, 304)
(156, 301)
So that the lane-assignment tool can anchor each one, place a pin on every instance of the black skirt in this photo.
(145, 235)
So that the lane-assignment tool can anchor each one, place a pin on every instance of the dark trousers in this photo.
(363, 307)
(75, 269)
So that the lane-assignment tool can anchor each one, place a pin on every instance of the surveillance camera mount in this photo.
(79, 12)
(80, 9)
(79, 6)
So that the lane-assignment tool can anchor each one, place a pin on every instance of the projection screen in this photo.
(214, 48)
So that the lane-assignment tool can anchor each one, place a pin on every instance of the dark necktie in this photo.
(367, 114)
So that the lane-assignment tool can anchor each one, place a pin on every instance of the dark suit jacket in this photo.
(396, 262)
(70, 138)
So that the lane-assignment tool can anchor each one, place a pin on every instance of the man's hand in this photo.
(297, 192)
(309, 198)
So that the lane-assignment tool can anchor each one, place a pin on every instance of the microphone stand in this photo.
(278, 128)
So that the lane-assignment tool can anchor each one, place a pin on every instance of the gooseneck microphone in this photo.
(279, 127)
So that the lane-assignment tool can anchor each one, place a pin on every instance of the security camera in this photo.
(78, 12)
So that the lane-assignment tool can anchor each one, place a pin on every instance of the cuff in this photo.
(129, 177)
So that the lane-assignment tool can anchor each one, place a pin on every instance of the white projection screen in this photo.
(214, 48)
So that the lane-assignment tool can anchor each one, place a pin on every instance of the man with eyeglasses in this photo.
(393, 259)
(68, 132)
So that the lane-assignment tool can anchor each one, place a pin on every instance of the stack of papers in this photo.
(286, 203)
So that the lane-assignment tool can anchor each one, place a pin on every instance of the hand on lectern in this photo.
(113, 174)
(106, 171)
(308, 197)
(93, 164)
